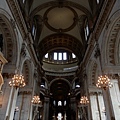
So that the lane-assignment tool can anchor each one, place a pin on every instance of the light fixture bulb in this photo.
(104, 82)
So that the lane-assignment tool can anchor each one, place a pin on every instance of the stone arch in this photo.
(27, 72)
(111, 40)
(56, 3)
(73, 82)
(77, 93)
(45, 81)
(92, 72)
(60, 88)
(43, 92)
(60, 79)
(9, 36)
(64, 41)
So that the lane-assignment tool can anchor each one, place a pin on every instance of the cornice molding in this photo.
(16, 12)
(106, 9)
(15, 9)
(65, 3)
(60, 73)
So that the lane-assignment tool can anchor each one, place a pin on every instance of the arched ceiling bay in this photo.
(64, 41)
(60, 89)
(60, 24)
(61, 16)
(36, 3)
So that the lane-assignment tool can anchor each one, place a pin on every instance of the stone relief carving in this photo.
(23, 50)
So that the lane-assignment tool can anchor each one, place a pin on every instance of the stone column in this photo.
(46, 109)
(24, 105)
(94, 106)
(108, 107)
(115, 98)
(13, 103)
(6, 99)
(65, 116)
(101, 106)
(73, 108)
(97, 105)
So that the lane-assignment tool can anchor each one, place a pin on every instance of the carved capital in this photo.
(23, 50)
(13, 23)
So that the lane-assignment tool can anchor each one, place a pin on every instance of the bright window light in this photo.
(64, 56)
(55, 55)
(98, 1)
(59, 103)
(42, 85)
(86, 32)
(73, 55)
(60, 56)
(54, 102)
(59, 116)
(65, 103)
(33, 30)
(77, 86)
(23, 1)
(46, 56)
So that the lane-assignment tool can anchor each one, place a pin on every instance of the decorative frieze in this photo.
(23, 50)
(13, 23)
(15, 8)
(100, 24)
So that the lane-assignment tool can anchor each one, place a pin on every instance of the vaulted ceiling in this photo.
(60, 24)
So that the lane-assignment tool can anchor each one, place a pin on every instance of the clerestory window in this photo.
(23, 1)
(60, 57)
(97, 1)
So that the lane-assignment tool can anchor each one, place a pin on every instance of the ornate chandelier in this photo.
(104, 82)
(36, 100)
(84, 100)
(17, 81)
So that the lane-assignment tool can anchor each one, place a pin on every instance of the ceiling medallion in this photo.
(60, 19)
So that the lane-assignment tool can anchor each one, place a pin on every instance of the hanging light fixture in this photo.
(103, 80)
(36, 100)
(84, 100)
(17, 81)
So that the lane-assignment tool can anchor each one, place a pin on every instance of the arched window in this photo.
(34, 31)
(60, 57)
(59, 116)
(98, 1)
(23, 1)
(55, 56)
(46, 56)
(54, 103)
(73, 55)
(59, 103)
(65, 103)
(86, 30)
(64, 56)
